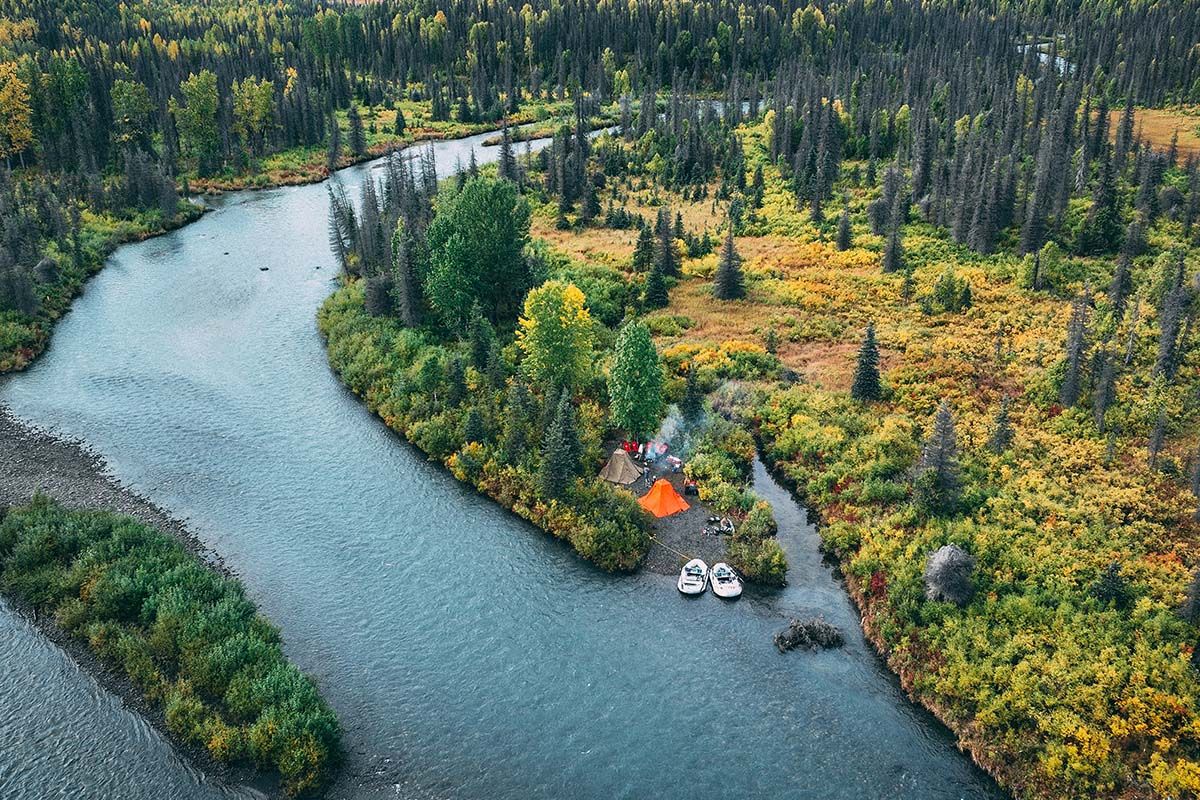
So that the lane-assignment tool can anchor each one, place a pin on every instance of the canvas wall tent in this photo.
(621, 469)
(662, 500)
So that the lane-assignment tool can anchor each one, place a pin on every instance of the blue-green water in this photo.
(467, 654)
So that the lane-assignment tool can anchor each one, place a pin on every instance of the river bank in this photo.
(296, 167)
(34, 462)
(967, 740)
(318, 518)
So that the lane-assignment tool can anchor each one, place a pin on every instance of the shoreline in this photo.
(967, 744)
(34, 460)
(204, 189)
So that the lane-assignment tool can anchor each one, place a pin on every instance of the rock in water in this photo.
(812, 634)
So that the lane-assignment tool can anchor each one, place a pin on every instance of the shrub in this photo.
(184, 635)
(762, 561)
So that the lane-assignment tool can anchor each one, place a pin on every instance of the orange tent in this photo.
(662, 500)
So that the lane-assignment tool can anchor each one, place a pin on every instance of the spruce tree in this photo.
(377, 294)
(1105, 387)
(757, 187)
(334, 155)
(507, 165)
(473, 427)
(948, 575)
(693, 398)
(1158, 436)
(482, 337)
(1102, 230)
(844, 240)
(401, 122)
(1075, 351)
(1120, 287)
(1111, 588)
(1169, 323)
(1002, 431)
(520, 412)
(561, 450)
(407, 261)
(728, 283)
(358, 137)
(668, 255)
(893, 252)
(656, 295)
(643, 251)
(866, 387)
(938, 485)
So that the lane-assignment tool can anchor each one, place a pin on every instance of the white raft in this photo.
(725, 582)
(693, 577)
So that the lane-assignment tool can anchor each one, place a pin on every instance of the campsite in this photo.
(683, 526)
(483, 346)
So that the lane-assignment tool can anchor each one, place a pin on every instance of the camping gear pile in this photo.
(719, 526)
(645, 451)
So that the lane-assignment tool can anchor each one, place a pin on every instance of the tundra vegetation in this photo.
(938, 259)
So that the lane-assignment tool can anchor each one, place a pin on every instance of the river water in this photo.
(467, 654)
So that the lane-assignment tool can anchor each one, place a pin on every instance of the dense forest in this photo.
(935, 261)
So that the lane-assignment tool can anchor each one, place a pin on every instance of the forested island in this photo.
(934, 263)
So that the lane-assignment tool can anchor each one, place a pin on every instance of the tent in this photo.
(621, 469)
(662, 500)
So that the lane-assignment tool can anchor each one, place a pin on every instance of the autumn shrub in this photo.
(187, 637)
(1049, 614)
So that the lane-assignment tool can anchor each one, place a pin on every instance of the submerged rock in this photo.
(813, 633)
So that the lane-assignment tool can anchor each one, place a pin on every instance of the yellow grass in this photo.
(1157, 125)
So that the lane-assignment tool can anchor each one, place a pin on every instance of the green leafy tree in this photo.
(196, 119)
(253, 112)
(866, 386)
(476, 252)
(555, 334)
(133, 114)
(635, 385)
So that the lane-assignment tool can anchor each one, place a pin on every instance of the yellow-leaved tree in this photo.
(555, 335)
(16, 121)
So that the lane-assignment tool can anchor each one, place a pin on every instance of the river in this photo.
(467, 654)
